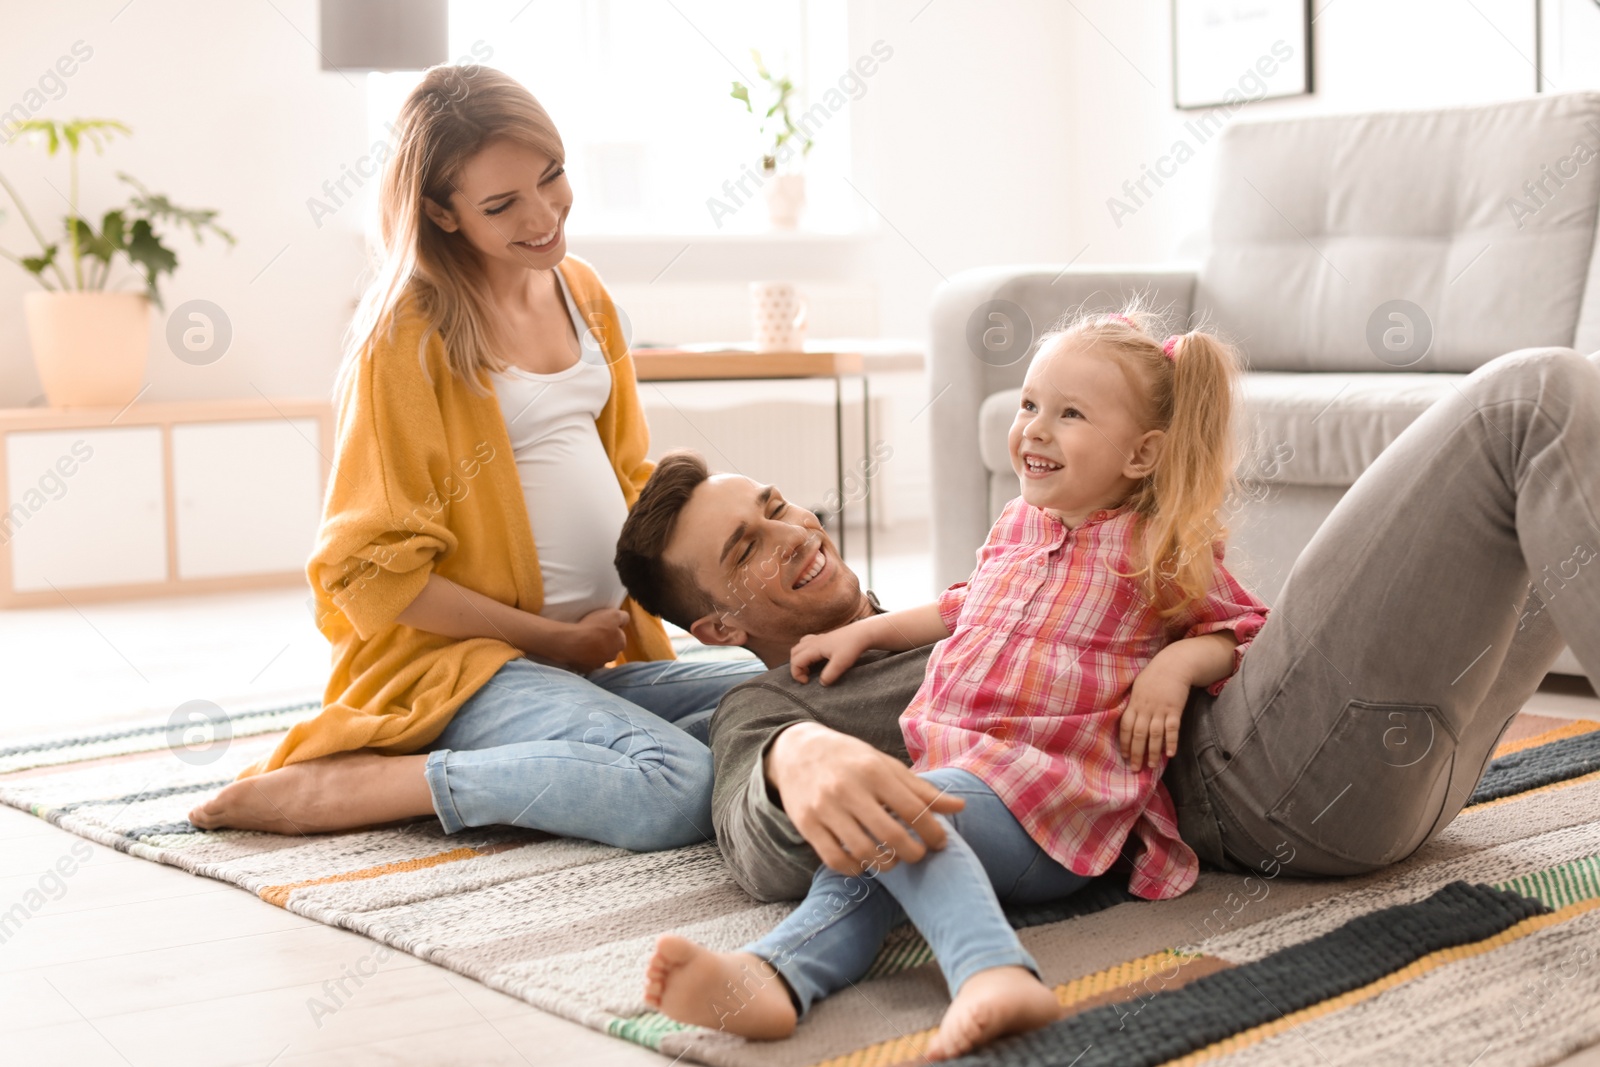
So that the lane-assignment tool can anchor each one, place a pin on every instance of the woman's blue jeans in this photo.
(953, 897)
(616, 756)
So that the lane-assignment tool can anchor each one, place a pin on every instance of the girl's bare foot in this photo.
(991, 1004)
(735, 992)
(337, 792)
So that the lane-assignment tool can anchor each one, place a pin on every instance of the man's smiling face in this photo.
(772, 570)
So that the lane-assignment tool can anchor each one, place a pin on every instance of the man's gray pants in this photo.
(1421, 617)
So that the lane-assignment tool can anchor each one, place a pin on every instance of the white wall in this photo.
(229, 111)
(1571, 45)
(964, 145)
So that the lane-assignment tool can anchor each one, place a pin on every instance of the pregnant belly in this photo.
(576, 510)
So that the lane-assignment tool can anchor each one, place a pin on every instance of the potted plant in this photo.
(90, 345)
(785, 192)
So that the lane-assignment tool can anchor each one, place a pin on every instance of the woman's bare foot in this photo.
(736, 992)
(991, 1004)
(337, 792)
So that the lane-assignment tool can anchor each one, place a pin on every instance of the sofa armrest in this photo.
(984, 324)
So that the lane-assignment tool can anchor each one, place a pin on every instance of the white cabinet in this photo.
(85, 507)
(248, 496)
(159, 498)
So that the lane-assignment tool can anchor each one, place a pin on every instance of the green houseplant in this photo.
(786, 192)
(91, 345)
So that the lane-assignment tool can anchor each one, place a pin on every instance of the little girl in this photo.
(1099, 599)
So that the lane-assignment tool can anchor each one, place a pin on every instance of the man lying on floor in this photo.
(1381, 612)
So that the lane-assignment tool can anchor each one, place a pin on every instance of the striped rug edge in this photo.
(1415, 969)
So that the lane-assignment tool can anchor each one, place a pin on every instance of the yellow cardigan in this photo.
(424, 481)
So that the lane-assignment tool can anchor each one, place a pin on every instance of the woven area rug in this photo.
(1483, 948)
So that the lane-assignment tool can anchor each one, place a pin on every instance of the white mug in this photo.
(778, 316)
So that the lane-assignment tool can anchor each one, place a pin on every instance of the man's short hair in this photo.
(659, 587)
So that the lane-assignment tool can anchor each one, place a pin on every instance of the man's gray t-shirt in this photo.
(763, 849)
(766, 853)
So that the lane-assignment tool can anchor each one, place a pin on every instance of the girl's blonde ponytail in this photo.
(1195, 474)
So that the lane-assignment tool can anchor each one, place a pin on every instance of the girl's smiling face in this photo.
(1079, 441)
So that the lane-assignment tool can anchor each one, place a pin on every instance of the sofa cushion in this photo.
(1297, 429)
(1483, 217)
(1325, 429)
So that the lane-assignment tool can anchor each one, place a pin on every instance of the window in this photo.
(640, 92)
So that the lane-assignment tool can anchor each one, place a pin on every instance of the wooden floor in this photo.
(129, 962)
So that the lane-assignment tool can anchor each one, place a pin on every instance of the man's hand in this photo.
(1150, 721)
(841, 648)
(839, 792)
(595, 639)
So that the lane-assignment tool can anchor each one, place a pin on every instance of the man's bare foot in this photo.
(736, 992)
(337, 792)
(991, 1004)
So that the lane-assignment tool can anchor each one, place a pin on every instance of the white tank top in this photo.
(574, 502)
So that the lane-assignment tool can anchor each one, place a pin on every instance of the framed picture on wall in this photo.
(1232, 52)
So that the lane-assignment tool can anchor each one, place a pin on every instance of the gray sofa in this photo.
(1480, 221)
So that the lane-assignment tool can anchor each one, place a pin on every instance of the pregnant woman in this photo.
(490, 444)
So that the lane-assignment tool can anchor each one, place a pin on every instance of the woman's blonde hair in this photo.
(1190, 395)
(448, 118)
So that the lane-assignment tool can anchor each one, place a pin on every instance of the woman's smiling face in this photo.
(510, 202)
(1078, 442)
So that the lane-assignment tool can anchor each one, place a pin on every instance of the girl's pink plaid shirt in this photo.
(1028, 691)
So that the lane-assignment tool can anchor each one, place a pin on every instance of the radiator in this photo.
(780, 433)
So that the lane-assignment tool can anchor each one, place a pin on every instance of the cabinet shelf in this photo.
(159, 499)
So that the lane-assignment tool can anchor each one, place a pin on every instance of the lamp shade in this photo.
(384, 35)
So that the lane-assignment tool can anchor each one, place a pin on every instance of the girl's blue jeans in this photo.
(616, 756)
(953, 897)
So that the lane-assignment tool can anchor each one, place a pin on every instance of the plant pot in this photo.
(786, 196)
(90, 348)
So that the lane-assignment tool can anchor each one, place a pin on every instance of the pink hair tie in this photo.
(1124, 318)
(1170, 347)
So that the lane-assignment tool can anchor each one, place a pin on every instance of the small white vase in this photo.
(786, 197)
(90, 349)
